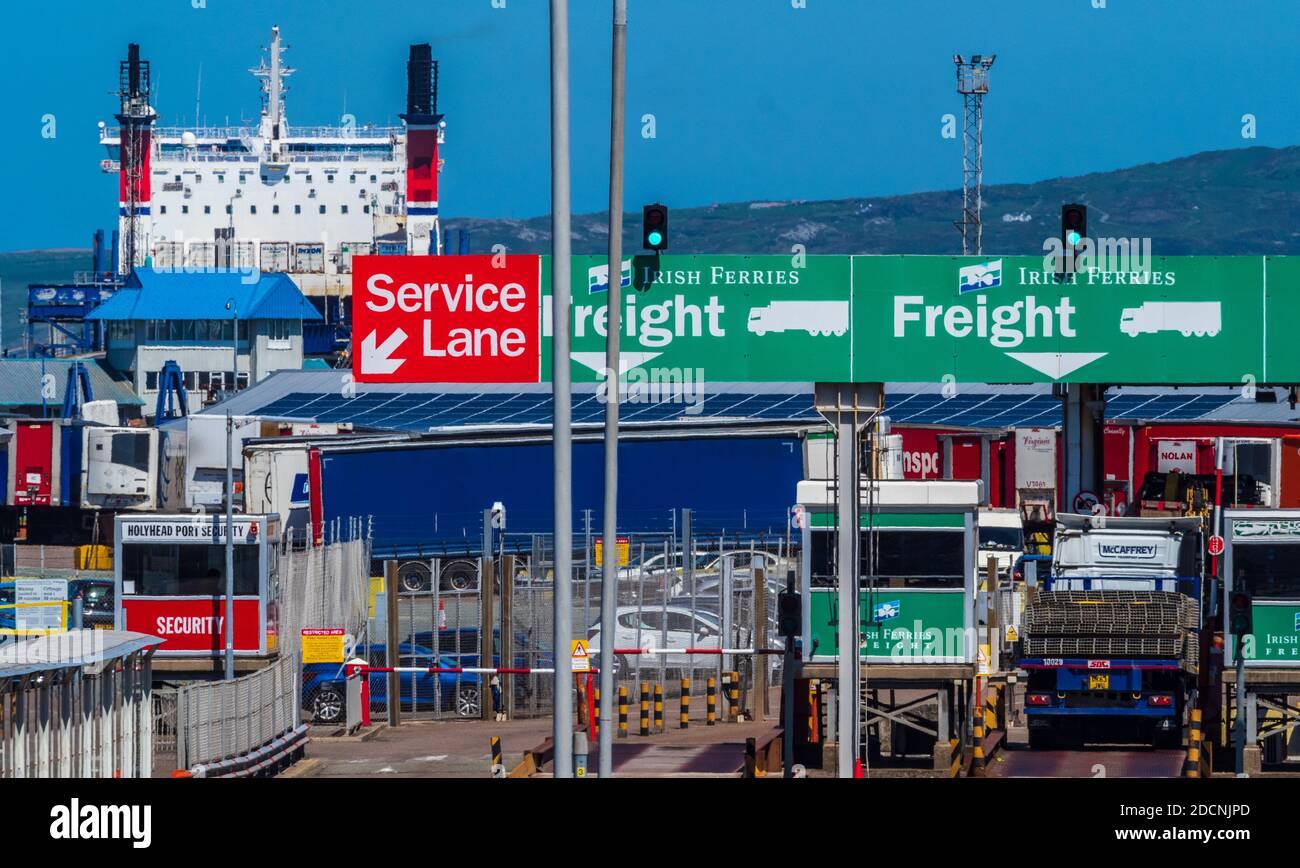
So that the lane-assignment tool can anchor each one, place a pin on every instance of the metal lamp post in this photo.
(230, 501)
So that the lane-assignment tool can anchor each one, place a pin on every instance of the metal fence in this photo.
(220, 726)
(76, 705)
(255, 722)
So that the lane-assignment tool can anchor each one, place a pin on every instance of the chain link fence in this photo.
(667, 598)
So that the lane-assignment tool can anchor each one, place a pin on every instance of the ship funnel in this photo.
(421, 81)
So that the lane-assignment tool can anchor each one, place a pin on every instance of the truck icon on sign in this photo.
(1188, 318)
(814, 317)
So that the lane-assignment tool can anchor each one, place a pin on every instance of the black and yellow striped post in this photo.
(622, 712)
(711, 701)
(733, 697)
(498, 769)
(645, 707)
(595, 720)
(685, 717)
(992, 701)
(1192, 766)
(659, 707)
(752, 769)
(977, 755)
(814, 712)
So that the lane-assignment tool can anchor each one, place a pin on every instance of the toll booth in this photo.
(170, 573)
(917, 592)
(1262, 557)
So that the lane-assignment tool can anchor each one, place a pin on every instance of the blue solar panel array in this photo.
(420, 412)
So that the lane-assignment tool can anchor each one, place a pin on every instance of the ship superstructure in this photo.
(275, 197)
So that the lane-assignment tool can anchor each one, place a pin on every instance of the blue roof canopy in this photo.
(150, 294)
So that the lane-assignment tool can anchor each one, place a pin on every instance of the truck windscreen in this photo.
(163, 570)
(903, 558)
(1269, 571)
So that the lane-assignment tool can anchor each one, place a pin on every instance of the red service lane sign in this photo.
(1216, 545)
(446, 319)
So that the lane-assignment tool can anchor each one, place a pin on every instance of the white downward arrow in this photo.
(375, 359)
(626, 361)
(1056, 365)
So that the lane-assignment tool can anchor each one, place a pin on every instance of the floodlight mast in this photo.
(972, 84)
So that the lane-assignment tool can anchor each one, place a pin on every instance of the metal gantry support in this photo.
(972, 84)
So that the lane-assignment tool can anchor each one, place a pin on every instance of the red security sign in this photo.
(1216, 545)
(446, 319)
(194, 624)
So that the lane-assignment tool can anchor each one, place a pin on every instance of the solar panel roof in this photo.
(973, 409)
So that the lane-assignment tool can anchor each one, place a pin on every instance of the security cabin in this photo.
(917, 573)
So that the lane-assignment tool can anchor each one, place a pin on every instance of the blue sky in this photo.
(753, 99)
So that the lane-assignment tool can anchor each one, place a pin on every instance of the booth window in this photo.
(164, 570)
(1268, 571)
(903, 558)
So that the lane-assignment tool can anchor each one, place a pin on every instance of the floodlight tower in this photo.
(972, 84)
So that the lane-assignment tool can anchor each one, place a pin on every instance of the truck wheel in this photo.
(1171, 739)
(1041, 739)
(460, 575)
(413, 577)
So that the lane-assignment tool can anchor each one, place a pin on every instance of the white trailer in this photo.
(1188, 318)
(814, 317)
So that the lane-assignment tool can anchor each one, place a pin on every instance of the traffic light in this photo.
(789, 614)
(654, 227)
(1240, 617)
(1074, 228)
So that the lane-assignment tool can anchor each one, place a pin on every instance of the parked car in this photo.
(324, 685)
(97, 601)
(701, 630)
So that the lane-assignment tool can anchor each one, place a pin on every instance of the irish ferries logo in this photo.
(985, 275)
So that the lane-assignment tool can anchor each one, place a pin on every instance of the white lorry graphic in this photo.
(814, 317)
(1186, 317)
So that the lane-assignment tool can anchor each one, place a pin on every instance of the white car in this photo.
(703, 630)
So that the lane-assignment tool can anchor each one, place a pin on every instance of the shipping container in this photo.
(275, 256)
(309, 258)
(120, 470)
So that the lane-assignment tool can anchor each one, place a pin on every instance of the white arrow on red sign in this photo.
(378, 359)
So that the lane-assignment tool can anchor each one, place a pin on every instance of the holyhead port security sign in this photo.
(1190, 320)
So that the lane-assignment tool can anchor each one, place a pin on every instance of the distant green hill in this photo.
(32, 266)
(1239, 201)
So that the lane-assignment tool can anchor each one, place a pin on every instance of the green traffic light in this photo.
(656, 238)
(1072, 237)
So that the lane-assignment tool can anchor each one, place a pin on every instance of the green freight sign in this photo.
(711, 318)
(1277, 634)
(898, 625)
(1206, 320)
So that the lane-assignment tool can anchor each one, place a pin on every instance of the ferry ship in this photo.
(275, 197)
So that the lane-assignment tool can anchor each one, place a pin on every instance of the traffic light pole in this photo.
(562, 431)
(614, 306)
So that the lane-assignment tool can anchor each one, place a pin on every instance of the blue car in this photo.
(324, 684)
